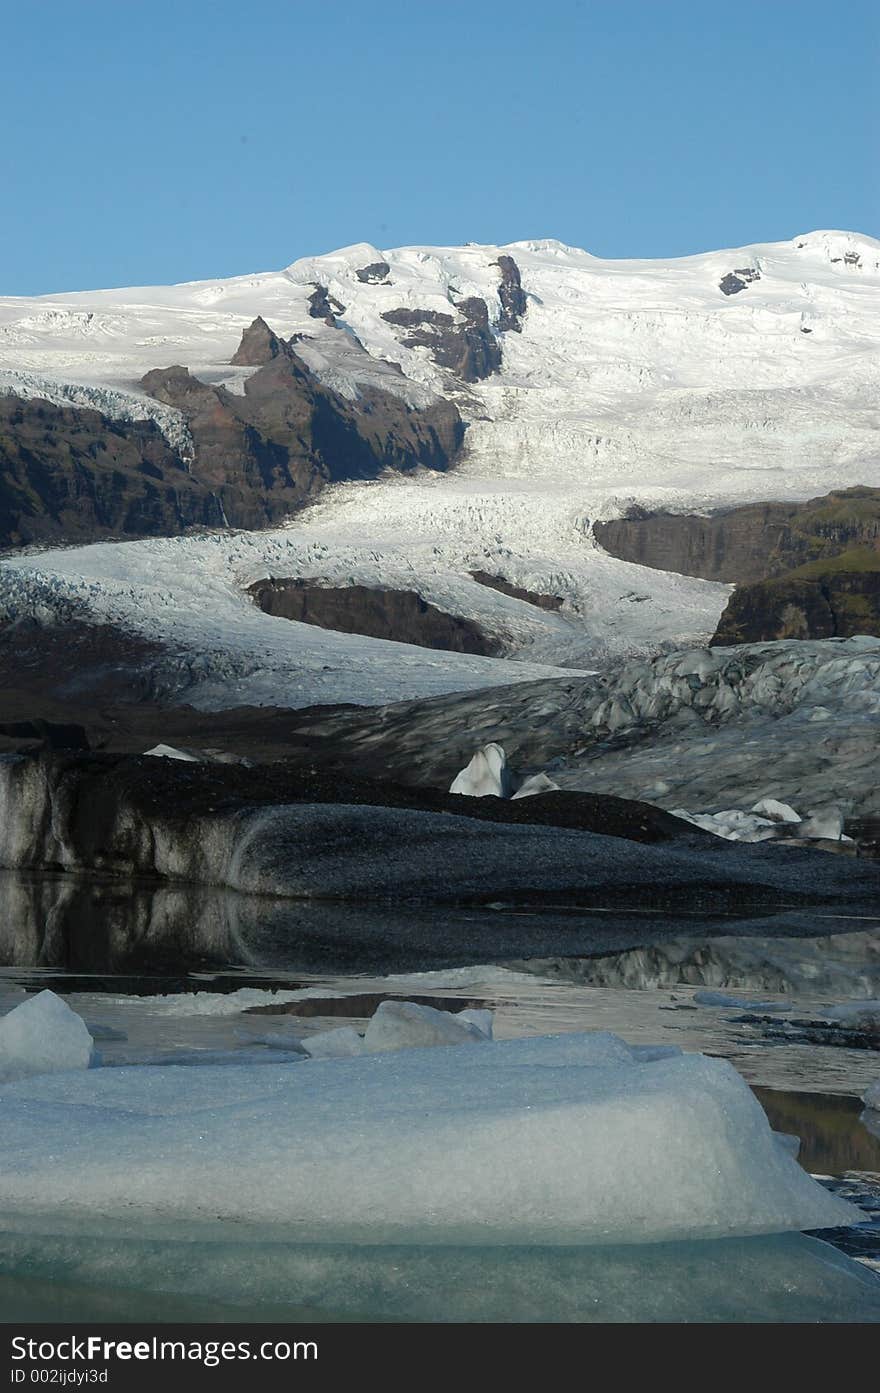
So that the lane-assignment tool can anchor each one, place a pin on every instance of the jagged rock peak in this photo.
(511, 295)
(259, 345)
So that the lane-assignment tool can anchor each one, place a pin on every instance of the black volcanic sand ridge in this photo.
(692, 866)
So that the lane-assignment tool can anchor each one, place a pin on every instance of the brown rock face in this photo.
(375, 274)
(512, 296)
(267, 452)
(70, 473)
(467, 347)
(259, 345)
(835, 599)
(324, 306)
(400, 615)
(531, 597)
(750, 543)
(803, 570)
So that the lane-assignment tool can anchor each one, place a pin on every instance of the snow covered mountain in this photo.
(586, 386)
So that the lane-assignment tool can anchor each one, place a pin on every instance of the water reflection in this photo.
(88, 925)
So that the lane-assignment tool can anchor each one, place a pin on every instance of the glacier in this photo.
(631, 382)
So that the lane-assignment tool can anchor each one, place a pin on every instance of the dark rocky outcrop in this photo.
(375, 274)
(826, 599)
(738, 280)
(754, 542)
(467, 346)
(804, 570)
(512, 296)
(267, 452)
(72, 474)
(531, 597)
(400, 615)
(259, 345)
(323, 305)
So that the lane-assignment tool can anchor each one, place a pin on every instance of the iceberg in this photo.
(562, 1140)
(486, 776)
(399, 1025)
(43, 1036)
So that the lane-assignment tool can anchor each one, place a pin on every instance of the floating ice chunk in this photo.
(484, 1147)
(483, 1020)
(740, 1002)
(226, 1003)
(871, 1095)
(400, 1025)
(732, 823)
(343, 1043)
(536, 783)
(43, 1036)
(487, 775)
(776, 811)
(825, 823)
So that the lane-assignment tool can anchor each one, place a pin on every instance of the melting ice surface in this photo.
(560, 1140)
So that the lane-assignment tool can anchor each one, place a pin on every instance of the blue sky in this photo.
(148, 143)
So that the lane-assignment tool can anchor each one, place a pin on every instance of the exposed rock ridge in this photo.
(511, 295)
(400, 615)
(754, 542)
(69, 473)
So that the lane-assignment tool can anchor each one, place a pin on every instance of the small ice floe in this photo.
(489, 775)
(769, 819)
(741, 1003)
(399, 1025)
(43, 1036)
(823, 824)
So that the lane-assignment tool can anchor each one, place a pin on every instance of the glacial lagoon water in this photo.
(166, 981)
